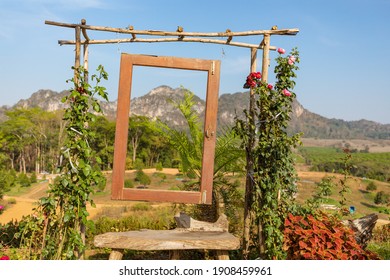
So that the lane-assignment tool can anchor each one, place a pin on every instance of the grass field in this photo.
(330, 159)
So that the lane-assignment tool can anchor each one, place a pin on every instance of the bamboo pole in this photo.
(264, 78)
(85, 50)
(265, 61)
(77, 52)
(248, 212)
(291, 31)
(161, 40)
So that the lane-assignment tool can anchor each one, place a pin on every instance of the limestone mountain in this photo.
(156, 104)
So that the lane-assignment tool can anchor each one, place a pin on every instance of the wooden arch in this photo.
(157, 36)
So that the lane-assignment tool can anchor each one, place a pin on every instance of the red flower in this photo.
(4, 258)
(255, 75)
(270, 86)
(252, 80)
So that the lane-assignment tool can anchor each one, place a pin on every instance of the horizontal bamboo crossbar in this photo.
(160, 40)
(171, 36)
(292, 31)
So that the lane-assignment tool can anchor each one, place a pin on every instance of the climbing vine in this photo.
(273, 177)
(57, 229)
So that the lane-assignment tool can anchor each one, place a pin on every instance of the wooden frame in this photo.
(204, 196)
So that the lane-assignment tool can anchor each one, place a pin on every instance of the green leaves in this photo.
(65, 207)
(269, 147)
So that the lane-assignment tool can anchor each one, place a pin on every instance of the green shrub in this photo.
(33, 178)
(159, 166)
(163, 176)
(7, 181)
(23, 180)
(129, 184)
(371, 186)
(142, 178)
(381, 198)
(141, 207)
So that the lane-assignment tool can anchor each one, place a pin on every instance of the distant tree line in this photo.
(31, 142)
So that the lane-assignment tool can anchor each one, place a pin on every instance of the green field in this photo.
(366, 165)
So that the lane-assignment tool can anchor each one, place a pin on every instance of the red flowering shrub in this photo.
(322, 238)
(3, 258)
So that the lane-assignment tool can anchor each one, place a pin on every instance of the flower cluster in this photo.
(4, 258)
(253, 80)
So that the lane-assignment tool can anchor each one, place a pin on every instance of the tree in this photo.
(138, 126)
(28, 137)
(102, 141)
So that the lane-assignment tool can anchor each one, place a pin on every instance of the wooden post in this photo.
(248, 213)
(264, 78)
(265, 62)
(116, 254)
(85, 50)
(77, 52)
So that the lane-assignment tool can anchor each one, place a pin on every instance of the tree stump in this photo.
(363, 228)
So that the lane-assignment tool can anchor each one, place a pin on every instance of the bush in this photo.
(7, 181)
(371, 186)
(129, 184)
(23, 180)
(33, 178)
(163, 176)
(141, 207)
(142, 178)
(159, 166)
(321, 238)
(381, 198)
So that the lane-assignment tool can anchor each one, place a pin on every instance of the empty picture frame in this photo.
(204, 195)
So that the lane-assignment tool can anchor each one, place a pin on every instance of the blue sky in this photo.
(344, 47)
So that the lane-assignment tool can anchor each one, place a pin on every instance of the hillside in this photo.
(155, 104)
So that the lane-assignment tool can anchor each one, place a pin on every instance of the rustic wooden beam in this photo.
(291, 31)
(160, 40)
(77, 53)
(265, 61)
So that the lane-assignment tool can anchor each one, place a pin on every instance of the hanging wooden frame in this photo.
(204, 195)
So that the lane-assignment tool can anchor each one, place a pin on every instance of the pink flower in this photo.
(1, 208)
(291, 60)
(281, 51)
(4, 258)
(270, 86)
(286, 93)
